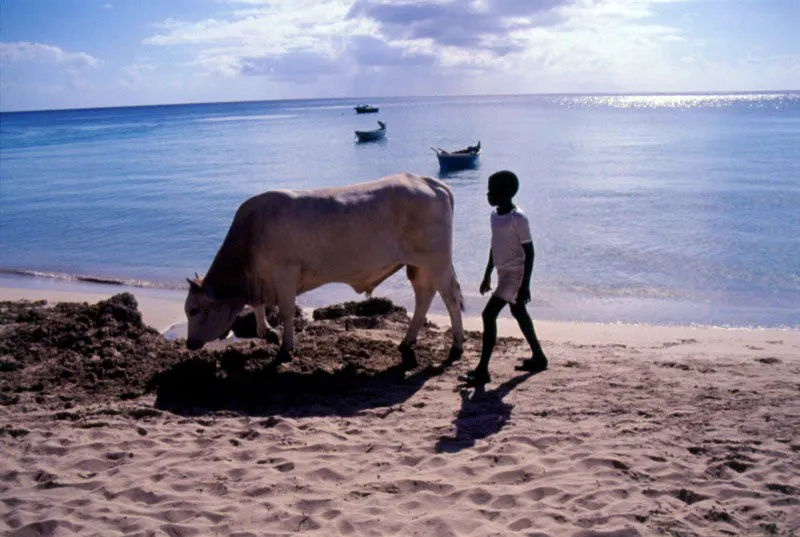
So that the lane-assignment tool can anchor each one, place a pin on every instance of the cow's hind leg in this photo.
(286, 309)
(263, 330)
(261, 320)
(286, 312)
(424, 291)
(450, 290)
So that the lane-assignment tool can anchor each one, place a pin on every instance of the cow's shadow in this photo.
(198, 386)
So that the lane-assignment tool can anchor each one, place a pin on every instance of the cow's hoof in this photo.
(271, 336)
(455, 354)
(409, 356)
(283, 357)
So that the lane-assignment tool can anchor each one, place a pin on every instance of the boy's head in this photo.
(503, 186)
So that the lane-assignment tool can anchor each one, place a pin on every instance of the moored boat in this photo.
(373, 135)
(458, 160)
(366, 109)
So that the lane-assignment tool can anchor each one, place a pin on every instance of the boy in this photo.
(512, 254)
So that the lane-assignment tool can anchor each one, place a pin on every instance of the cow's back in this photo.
(398, 208)
(394, 192)
(342, 234)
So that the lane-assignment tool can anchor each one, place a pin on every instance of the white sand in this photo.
(633, 431)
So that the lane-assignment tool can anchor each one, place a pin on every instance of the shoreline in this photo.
(163, 310)
(540, 308)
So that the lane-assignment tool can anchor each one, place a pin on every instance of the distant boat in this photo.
(372, 136)
(366, 109)
(458, 160)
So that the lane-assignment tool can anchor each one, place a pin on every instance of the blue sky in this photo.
(90, 53)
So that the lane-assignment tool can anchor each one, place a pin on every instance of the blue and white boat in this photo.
(458, 160)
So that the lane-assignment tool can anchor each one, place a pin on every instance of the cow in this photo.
(283, 243)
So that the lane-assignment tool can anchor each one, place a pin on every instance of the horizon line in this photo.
(376, 98)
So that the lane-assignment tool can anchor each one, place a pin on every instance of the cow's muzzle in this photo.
(193, 344)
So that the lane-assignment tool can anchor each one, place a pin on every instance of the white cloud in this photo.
(252, 41)
(75, 81)
(23, 51)
(489, 45)
(482, 35)
(133, 75)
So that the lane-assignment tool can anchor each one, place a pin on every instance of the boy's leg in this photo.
(525, 322)
(490, 313)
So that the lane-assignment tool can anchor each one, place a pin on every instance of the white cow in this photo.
(284, 243)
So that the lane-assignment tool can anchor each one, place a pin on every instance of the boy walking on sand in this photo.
(512, 254)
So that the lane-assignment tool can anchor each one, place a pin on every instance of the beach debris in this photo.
(65, 355)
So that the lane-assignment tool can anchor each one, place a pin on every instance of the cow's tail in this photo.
(457, 290)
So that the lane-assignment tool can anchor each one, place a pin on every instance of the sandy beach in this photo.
(107, 428)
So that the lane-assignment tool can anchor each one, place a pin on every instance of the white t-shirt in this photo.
(509, 232)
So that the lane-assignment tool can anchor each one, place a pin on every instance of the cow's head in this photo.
(210, 316)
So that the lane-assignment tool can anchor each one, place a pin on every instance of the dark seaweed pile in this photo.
(77, 353)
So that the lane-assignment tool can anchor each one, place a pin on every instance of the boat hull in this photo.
(366, 109)
(452, 162)
(370, 136)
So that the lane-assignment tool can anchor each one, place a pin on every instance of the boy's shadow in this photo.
(481, 415)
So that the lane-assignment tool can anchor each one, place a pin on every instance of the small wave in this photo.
(74, 134)
(83, 278)
(112, 126)
(322, 107)
(244, 118)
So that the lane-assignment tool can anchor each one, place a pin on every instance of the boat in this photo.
(366, 109)
(460, 159)
(374, 135)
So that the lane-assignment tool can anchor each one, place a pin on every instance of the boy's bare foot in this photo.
(533, 365)
(475, 378)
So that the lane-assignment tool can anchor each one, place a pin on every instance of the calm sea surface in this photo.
(665, 209)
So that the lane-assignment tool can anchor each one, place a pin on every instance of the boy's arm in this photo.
(486, 284)
(524, 294)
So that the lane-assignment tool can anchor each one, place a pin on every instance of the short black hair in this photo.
(505, 181)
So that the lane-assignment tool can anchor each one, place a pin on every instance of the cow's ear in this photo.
(193, 285)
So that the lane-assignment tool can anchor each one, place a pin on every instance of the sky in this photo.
(93, 53)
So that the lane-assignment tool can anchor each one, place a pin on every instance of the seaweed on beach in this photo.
(372, 307)
(76, 352)
(66, 354)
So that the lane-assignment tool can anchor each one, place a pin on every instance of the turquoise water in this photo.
(665, 209)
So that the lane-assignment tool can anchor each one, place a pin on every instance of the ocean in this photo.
(655, 209)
